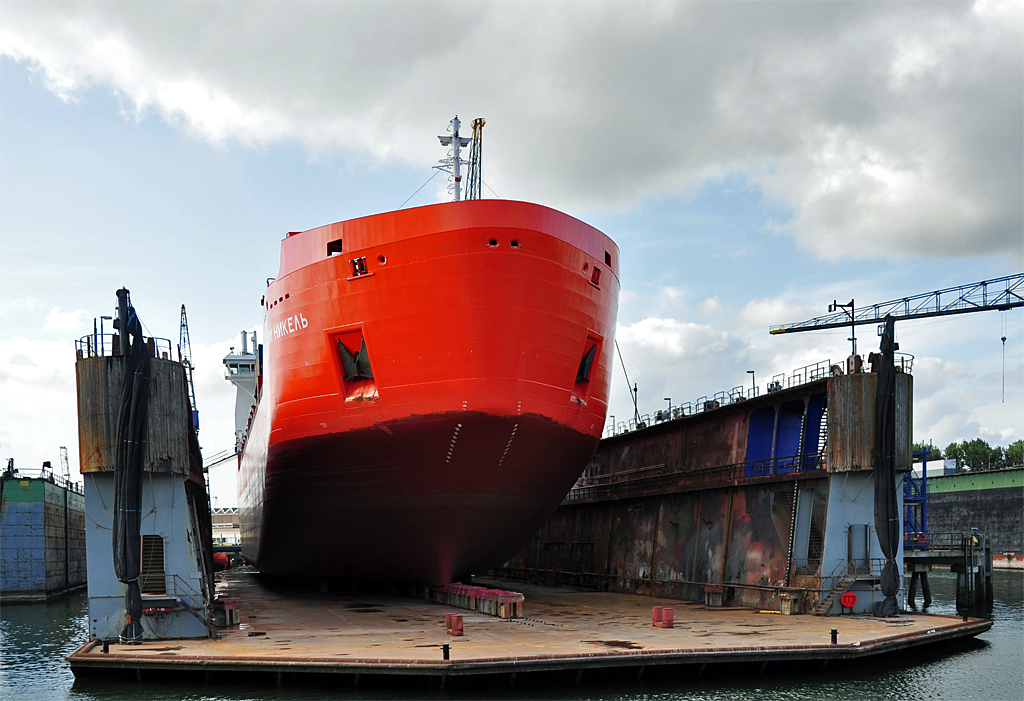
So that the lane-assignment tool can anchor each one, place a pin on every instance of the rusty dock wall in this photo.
(764, 503)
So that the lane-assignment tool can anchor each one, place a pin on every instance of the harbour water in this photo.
(35, 638)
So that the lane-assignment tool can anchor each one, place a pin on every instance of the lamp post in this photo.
(753, 383)
(108, 318)
(850, 311)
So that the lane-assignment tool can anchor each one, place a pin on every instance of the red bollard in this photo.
(663, 617)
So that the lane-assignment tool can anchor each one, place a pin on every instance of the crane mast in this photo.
(65, 468)
(185, 355)
(988, 295)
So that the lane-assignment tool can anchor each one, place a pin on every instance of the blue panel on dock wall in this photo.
(22, 547)
(787, 440)
(759, 439)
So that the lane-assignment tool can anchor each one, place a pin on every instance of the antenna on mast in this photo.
(454, 159)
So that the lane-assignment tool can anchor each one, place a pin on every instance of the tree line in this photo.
(976, 454)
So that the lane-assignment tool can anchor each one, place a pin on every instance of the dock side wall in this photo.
(42, 540)
(669, 545)
(770, 500)
(992, 502)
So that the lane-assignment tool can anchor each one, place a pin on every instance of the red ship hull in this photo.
(476, 412)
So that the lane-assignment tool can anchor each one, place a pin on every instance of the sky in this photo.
(754, 161)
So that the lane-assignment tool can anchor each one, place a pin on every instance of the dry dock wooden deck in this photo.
(562, 630)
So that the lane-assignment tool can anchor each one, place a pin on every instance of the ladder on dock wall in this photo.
(842, 583)
(823, 434)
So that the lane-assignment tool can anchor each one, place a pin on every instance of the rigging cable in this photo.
(496, 195)
(632, 391)
(419, 188)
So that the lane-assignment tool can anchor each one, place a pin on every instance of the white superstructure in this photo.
(240, 370)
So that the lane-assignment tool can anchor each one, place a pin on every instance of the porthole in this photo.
(493, 243)
(586, 267)
(382, 259)
(514, 244)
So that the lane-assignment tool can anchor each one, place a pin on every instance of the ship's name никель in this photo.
(289, 325)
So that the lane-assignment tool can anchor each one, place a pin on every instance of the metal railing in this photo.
(806, 566)
(904, 362)
(102, 344)
(187, 597)
(935, 541)
(799, 376)
(848, 571)
(47, 475)
(634, 482)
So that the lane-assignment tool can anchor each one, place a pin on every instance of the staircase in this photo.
(842, 583)
(815, 543)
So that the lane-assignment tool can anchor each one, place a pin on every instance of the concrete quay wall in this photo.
(992, 502)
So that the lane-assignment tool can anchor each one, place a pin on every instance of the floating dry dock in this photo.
(288, 635)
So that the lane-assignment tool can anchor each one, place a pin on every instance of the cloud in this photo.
(888, 129)
(37, 392)
(955, 402)
(64, 322)
(770, 311)
(712, 305)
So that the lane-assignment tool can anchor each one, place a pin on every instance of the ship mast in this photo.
(476, 152)
(454, 160)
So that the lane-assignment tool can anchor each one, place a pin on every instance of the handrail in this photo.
(186, 597)
(48, 476)
(586, 488)
(96, 345)
(847, 572)
(800, 376)
(945, 540)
